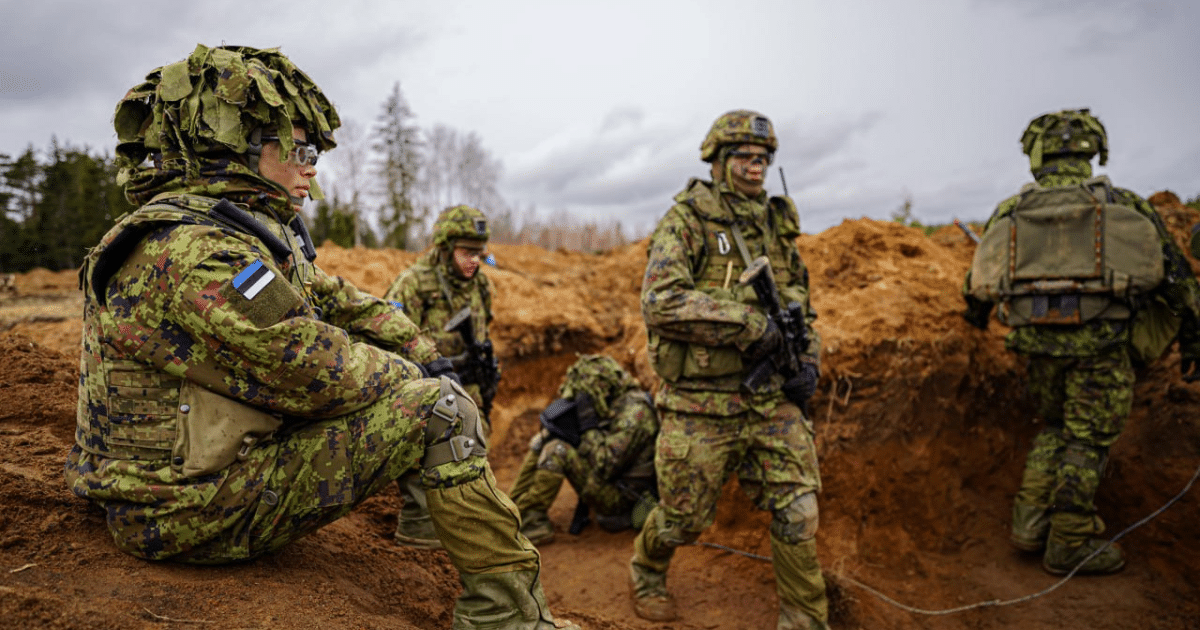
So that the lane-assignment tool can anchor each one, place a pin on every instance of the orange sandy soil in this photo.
(922, 430)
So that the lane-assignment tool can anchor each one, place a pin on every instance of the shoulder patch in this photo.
(253, 279)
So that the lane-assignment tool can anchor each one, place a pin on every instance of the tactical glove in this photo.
(441, 366)
(801, 387)
(764, 346)
(1189, 349)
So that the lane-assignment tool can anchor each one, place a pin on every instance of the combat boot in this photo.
(648, 579)
(1061, 558)
(648, 590)
(1072, 539)
(1030, 527)
(536, 526)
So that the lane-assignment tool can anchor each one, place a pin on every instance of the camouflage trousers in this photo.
(287, 487)
(1084, 402)
(578, 468)
(770, 448)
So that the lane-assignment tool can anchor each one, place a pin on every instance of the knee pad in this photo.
(454, 432)
(797, 521)
(672, 531)
(554, 451)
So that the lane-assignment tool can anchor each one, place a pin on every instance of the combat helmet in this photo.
(461, 226)
(740, 126)
(187, 114)
(600, 377)
(1070, 131)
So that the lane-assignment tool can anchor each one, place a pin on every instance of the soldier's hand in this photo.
(801, 387)
(442, 366)
(765, 345)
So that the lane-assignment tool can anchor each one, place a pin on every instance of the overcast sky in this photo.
(599, 108)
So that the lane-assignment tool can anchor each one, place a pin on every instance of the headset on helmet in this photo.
(740, 126)
(1070, 131)
(461, 223)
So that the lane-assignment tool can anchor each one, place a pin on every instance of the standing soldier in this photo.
(233, 396)
(709, 336)
(1086, 274)
(446, 295)
(599, 436)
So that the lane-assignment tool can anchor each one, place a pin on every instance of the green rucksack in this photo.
(1067, 255)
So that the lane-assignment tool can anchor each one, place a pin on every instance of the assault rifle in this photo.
(785, 362)
(478, 365)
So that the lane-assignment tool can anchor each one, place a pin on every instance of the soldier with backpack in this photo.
(1090, 281)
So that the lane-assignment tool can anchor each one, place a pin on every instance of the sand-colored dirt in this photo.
(922, 432)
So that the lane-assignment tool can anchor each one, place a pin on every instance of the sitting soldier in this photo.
(599, 435)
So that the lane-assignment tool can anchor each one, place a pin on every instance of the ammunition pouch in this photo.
(675, 360)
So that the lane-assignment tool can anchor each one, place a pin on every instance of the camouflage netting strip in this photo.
(210, 103)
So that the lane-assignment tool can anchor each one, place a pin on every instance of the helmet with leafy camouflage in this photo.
(600, 377)
(461, 226)
(740, 126)
(1070, 131)
(186, 114)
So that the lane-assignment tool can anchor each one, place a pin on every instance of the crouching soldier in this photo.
(599, 436)
(233, 396)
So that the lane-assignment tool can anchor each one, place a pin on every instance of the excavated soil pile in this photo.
(922, 429)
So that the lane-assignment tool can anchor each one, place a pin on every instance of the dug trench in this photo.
(922, 428)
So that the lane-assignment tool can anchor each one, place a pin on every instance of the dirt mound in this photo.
(922, 430)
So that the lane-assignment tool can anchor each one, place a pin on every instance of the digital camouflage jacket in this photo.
(431, 293)
(698, 318)
(183, 301)
(1180, 290)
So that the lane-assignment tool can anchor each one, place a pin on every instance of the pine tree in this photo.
(398, 144)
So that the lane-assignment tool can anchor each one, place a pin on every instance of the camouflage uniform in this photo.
(611, 469)
(700, 321)
(431, 292)
(1080, 376)
(233, 397)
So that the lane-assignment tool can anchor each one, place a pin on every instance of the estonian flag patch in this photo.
(253, 279)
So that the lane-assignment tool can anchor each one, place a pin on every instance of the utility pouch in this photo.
(215, 431)
(1154, 328)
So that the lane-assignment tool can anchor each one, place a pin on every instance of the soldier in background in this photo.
(233, 397)
(445, 286)
(599, 436)
(707, 335)
(1091, 281)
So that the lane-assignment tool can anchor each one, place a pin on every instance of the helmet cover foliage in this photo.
(208, 104)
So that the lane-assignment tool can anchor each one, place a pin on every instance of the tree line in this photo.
(383, 187)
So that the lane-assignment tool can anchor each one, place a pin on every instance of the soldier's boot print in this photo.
(414, 528)
(1030, 527)
(803, 604)
(648, 576)
(1072, 541)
